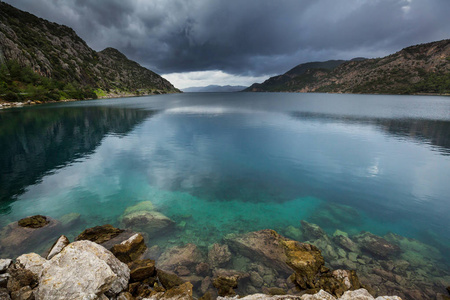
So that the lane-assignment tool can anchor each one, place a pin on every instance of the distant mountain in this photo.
(420, 69)
(36, 54)
(214, 88)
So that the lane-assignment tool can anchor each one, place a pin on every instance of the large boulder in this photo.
(83, 269)
(150, 222)
(188, 256)
(276, 251)
(377, 246)
(288, 256)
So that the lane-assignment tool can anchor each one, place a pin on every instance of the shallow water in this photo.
(224, 163)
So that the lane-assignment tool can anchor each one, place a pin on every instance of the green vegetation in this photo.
(18, 83)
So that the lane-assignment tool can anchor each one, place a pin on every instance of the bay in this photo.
(220, 163)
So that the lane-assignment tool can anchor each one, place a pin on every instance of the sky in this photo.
(239, 42)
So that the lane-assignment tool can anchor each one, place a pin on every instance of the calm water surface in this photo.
(236, 162)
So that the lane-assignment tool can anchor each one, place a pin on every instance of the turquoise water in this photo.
(222, 163)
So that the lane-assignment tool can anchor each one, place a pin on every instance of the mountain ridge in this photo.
(214, 89)
(54, 55)
(417, 69)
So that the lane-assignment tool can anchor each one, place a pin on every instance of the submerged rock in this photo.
(188, 256)
(101, 273)
(288, 256)
(218, 255)
(69, 220)
(16, 239)
(99, 234)
(37, 221)
(313, 232)
(376, 245)
(141, 206)
(294, 233)
(151, 222)
(275, 251)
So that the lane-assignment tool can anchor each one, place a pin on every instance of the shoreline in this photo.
(254, 262)
(6, 104)
(73, 270)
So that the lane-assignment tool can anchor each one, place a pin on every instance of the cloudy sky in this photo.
(238, 42)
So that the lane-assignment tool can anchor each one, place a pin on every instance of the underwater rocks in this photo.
(376, 245)
(87, 270)
(143, 217)
(180, 256)
(218, 255)
(391, 264)
(287, 256)
(17, 239)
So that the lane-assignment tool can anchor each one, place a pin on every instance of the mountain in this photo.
(419, 69)
(36, 54)
(214, 89)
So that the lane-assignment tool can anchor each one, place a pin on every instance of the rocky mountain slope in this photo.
(423, 68)
(57, 53)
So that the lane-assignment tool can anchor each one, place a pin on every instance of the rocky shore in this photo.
(105, 262)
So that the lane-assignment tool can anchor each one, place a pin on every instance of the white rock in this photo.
(388, 298)
(321, 295)
(4, 264)
(361, 294)
(32, 262)
(83, 270)
(62, 242)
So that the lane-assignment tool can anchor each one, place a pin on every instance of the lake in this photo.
(221, 163)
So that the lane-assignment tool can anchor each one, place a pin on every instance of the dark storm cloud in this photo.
(251, 37)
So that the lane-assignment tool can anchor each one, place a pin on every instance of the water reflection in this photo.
(37, 141)
(434, 132)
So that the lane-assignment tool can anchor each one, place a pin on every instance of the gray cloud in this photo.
(252, 37)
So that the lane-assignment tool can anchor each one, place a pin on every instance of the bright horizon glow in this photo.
(215, 77)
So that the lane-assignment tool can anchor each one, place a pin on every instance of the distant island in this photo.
(214, 89)
(419, 69)
(45, 61)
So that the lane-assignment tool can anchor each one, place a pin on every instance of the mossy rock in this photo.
(141, 206)
(37, 221)
(99, 234)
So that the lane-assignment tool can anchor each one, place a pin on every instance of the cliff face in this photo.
(422, 68)
(57, 52)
